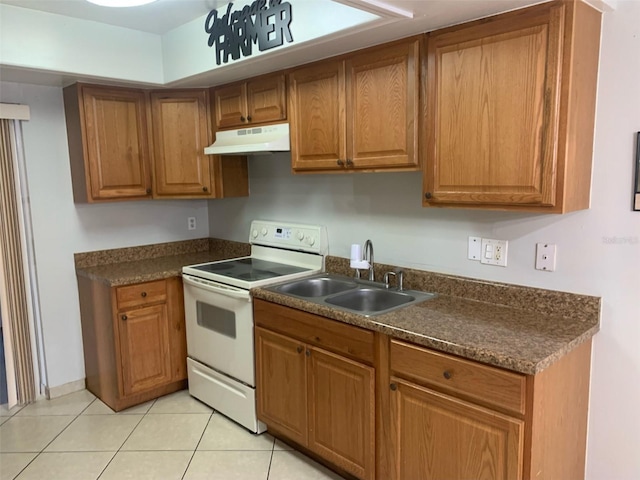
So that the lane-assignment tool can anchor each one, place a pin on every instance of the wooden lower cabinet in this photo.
(322, 400)
(378, 407)
(341, 411)
(446, 422)
(134, 340)
(144, 348)
(281, 379)
(436, 436)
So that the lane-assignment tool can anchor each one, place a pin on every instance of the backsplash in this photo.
(547, 302)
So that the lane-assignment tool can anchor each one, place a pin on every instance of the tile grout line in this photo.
(125, 440)
(54, 438)
(198, 444)
(273, 447)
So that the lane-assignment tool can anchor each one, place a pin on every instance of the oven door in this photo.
(219, 323)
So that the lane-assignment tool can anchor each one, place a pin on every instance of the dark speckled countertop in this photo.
(522, 329)
(126, 266)
(526, 333)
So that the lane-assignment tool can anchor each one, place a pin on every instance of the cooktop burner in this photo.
(250, 269)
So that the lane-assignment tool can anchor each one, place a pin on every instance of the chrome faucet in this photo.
(368, 256)
(399, 276)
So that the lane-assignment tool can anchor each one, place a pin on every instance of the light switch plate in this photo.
(475, 250)
(494, 252)
(545, 257)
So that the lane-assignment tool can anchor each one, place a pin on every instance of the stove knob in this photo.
(311, 241)
(254, 233)
(300, 236)
(264, 231)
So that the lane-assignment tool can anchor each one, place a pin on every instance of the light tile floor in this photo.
(174, 437)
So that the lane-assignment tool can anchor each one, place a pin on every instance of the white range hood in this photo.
(252, 140)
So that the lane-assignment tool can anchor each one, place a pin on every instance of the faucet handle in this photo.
(386, 278)
(399, 274)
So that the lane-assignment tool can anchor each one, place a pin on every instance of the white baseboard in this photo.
(65, 389)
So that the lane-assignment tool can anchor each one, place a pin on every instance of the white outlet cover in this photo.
(494, 252)
(475, 248)
(545, 257)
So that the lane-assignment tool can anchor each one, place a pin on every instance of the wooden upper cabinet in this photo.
(383, 107)
(357, 112)
(507, 125)
(258, 101)
(108, 143)
(181, 132)
(317, 116)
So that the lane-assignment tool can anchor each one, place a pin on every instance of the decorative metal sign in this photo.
(267, 24)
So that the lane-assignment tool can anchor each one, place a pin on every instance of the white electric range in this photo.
(219, 312)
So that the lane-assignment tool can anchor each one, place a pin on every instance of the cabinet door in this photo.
(266, 100)
(435, 436)
(177, 328)
(342, 412)
(317, 117)
(230, 104)
(383, 107)
(281, 387)
(492, 111)
(180, 135)
(116, 142)
(144, 348)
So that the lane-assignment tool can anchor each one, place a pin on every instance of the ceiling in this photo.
(158, 17)
(165, 15)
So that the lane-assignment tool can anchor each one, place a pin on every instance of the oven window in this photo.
(216, 319)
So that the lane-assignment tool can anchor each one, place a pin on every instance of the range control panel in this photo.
(292, 236)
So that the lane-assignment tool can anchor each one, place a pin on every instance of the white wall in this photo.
(56, 43)
(598, 249)
(62, 228)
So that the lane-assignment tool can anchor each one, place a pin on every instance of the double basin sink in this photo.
(350, 294)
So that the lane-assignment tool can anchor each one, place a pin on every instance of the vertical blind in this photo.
(14, 289)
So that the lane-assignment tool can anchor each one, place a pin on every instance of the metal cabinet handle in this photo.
(340, 162)
(393, 386)
(447, 374)
(299, 349)
(148, 191)
(349, 162)
(204, 189)
(242, 119)
(248, 118)
(143, 294)
(308, 353)
(123, 317)
(427, 195)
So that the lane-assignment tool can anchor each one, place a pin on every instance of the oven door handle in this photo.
(218, 288)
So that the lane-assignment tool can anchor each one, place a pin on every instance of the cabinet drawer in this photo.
(141, 294)
(486, 385)
(315, 330)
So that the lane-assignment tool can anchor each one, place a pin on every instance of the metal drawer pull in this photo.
(447, 374)
(123, 317)
(299, 349)
(143, 294)
(393, 387)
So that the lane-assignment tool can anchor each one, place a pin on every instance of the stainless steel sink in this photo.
(317, 287)
(353, 295)
(370, 299)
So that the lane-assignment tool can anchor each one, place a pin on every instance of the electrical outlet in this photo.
(545, 257)
(494, 252)
(474, 251)
(191, 223)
